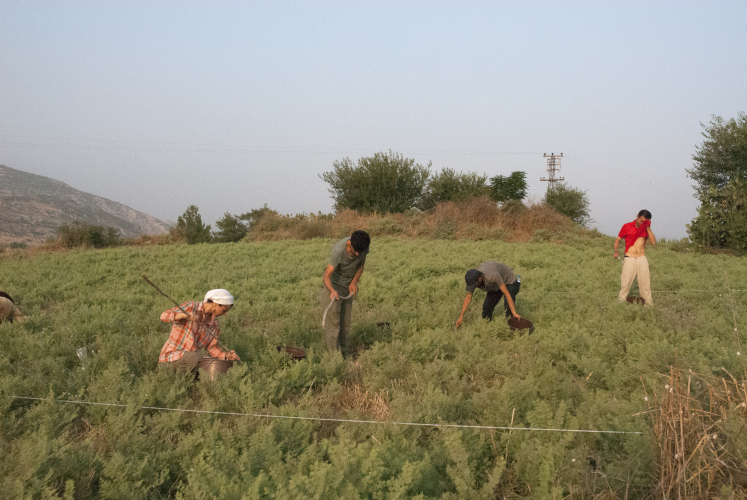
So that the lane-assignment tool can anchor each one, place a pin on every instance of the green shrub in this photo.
(508, 188)
(383, 183)
(230, 229)
(383, 226)
(570, 202)
(445, 230)
(82, 234)
(722, 218)
(541, 236)
(450, 185)
(189, 227)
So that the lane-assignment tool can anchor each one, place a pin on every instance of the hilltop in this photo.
(32, 207)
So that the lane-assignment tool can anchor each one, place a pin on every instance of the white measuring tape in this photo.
(342, 420)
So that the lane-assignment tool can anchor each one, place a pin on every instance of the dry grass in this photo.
(373, 405)
(476, 219)
(700, 427)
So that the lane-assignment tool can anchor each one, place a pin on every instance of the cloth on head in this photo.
(642, 228)
(631, 233)
(219, 296)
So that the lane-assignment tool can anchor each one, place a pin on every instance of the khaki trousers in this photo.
(632, 267)
(187, 363)
(337, 323)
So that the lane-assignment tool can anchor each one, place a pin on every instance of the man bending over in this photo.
(498, 280)
(340, 281)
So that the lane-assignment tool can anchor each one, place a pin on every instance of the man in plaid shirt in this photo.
(197, 329)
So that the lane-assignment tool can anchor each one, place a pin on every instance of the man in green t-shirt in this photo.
(498, 280)
(341, 278)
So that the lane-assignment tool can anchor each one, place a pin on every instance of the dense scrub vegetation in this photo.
(81, 234)
(390, 183)
(720, 171)
(590, 364)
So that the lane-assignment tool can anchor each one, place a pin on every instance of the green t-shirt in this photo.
(345, 266)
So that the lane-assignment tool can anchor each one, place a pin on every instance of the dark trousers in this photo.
(492, 299)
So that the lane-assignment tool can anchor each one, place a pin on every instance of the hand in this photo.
(180, 316)
(459, 322)
(615, 255)
(334, 296)
(231, 356)
(353, 288)
(516, 316)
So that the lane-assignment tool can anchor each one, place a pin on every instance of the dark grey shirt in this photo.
(495, 274)
(345, 266)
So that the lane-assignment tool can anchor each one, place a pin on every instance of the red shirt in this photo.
(631, 233)
(190, 335)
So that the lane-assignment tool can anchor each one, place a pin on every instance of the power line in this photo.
(222, 148)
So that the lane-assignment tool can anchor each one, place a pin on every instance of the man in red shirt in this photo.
(636, 234)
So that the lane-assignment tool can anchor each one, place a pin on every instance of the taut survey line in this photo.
(342, 420)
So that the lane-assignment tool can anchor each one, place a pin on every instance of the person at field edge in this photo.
(636, 234)
(346, 262)
(196, 330)
(498, 280)
(8, 310)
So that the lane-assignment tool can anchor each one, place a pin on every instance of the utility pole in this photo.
(553, 165)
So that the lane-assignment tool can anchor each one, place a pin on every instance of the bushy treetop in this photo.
(571, 202)
(190, 228)
(511, 187)
(384, 183)
(450, 185)
(723, 154)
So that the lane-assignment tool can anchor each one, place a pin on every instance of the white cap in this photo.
(219, 296)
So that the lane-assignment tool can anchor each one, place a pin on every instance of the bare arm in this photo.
(354, 283)
(465, 305)
(651, 236)
(509, 300)
(617, 243)
(217, 351)
(328, 282)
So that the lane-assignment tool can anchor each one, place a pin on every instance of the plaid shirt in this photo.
(190, 335)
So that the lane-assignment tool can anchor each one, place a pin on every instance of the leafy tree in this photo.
(722, 156)
(570, 202)
(512, 187)
(381, 183)
(720, 169)
(450, 185)
(722, 218)
(190, 228)
(230, 229)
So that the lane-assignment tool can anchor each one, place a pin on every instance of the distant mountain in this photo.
(32, 207)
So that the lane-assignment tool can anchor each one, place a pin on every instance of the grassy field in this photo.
(590, 364)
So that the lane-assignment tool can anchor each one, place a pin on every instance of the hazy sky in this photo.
(231, 105)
